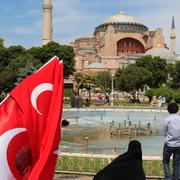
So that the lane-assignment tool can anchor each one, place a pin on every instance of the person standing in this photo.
(172, 142)
(127, 166)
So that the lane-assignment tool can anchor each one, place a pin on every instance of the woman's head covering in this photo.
(134, 144)
(134, 150)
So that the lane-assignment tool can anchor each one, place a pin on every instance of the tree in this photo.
(7, 54)
(157, 66)
(64, 52)
(79, 80)
(170, 70)
(39, 53)
(166, 92)
(88, 83)
(175, 81)
(14, 58)
(177, 96)
(5, 58)
(46, 52)
(10, 73)
(133, 78)
(85, 81)
(25, 71)
(103, 81)
(16, 51)
(117, 77)
(150, 93)
(1, 43)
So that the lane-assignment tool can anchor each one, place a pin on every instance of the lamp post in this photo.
(87, 138)
(112, 88)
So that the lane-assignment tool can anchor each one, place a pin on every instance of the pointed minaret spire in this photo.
(173, 36)
(47, 22)
(173, 23)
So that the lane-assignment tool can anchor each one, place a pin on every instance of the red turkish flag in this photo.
(30, 123)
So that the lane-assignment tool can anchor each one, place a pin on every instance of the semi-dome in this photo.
(122, 21)
(162, 53)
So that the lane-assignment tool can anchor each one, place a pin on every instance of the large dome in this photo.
(123, 22)
(122, 18)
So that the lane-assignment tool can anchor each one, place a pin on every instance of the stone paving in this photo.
(72, 177)
(82, 177)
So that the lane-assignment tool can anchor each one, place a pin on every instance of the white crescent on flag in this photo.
(5, 139)
(37, 91)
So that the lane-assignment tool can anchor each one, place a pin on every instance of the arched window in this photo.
(130, 45)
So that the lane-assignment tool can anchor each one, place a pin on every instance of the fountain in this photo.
(109, 128)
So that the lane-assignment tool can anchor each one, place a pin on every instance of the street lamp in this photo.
(112, 88)
(87, 138)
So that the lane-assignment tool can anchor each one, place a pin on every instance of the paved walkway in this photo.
(72, 177)
(81, 177)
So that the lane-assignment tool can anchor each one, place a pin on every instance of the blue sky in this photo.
(21, 20)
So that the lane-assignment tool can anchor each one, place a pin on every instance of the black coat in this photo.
(127, 166)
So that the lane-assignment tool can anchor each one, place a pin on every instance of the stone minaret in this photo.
(173, 36)
(47, 22)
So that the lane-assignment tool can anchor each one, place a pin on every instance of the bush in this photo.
(177, 96)
(150, 93)
(68, 93)
(166, 92)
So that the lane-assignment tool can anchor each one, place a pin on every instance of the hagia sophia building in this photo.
(119, 41)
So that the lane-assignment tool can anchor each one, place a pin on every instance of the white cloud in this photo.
(76, 18)
(82, 16)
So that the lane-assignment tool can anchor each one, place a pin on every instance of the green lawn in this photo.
(91, 165)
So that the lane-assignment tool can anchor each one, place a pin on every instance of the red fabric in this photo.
(37, 105)
(11, 120)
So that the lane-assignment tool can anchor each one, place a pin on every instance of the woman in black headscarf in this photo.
(127, 166)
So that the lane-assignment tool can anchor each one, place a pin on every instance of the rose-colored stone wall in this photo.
(107, 46)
